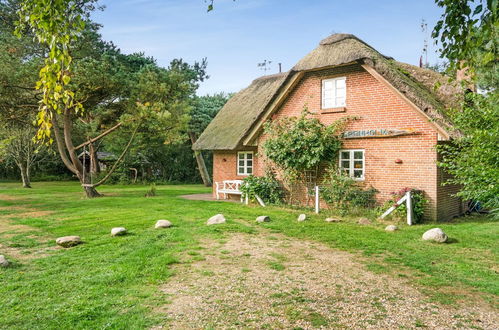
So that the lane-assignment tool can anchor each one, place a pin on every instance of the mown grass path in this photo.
(114, 282)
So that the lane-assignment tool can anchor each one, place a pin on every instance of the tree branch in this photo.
(99, 136)
(120, 158)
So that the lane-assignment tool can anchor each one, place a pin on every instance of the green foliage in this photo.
(266, 187)
(343, 193)
(473, 158)
(152, 191)
(468, 33)
(204, 109)
(299, 144)
(419, 204)
(56, 24)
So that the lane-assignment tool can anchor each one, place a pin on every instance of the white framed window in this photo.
(352, 163)
(334, 93)
(245, 163)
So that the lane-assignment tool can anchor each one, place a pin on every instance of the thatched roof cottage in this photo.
(344, 76)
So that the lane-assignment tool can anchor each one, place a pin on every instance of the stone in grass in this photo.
(391, 228)
(435, 235)
(163, 224)
(263, 218)
(364, 221)
(3, 261)
(68, 241)
(216, 219)
(302, 217)
(118, 231)
(332, 220)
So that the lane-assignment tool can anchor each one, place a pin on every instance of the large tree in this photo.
(468, 33)
(90, 90)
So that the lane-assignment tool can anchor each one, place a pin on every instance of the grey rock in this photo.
(364, 221)
(216, 219)
(68, 241)
(332, 220)
(163, 224)
(3, 261)
(118, 231)
(302, 217)
(263, 218)
(435, 235)
(391, 228)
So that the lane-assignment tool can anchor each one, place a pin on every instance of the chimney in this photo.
(280, 68)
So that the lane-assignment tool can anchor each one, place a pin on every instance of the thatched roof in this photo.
(238, 115)
(246, 108)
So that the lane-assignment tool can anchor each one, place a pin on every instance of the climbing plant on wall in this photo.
(299, 144)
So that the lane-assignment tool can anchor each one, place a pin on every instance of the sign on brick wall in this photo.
(376, 133)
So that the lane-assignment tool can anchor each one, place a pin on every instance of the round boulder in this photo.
(163, 224)
(302, 217)
(3, 261)
(332, 220)
(435, 235)
(216, 219)
(68, 241)
(118, 231)
(263, 218)
(391, 228)
(364, 221)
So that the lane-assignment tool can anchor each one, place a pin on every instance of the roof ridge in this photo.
(271, 76)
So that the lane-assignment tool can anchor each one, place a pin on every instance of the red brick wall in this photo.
(377, 107)
(225, 167)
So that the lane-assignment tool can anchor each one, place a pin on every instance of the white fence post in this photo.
(317, 199)
(409, 207)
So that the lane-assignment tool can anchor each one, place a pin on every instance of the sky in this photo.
(237, 35)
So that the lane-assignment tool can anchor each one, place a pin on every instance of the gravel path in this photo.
(270, 281)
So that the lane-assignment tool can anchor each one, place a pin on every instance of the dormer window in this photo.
(334, 93)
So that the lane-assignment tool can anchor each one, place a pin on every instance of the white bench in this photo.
(229, 187)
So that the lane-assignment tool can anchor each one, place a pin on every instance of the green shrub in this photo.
(266, 187)
(152, 191)
(341, 192)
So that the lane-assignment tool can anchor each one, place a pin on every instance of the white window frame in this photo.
(243, 155)
(334, 93)
(351, 159)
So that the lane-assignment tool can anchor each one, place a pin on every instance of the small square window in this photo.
(352, 163)
(334, 93)
(245, 163)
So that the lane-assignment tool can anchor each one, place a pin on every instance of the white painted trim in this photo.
(245, 166)
(334, 93)
(352, 161)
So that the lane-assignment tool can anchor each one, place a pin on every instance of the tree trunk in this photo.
(94, 162)
(203, 171)
(25, 175)
(90, 191)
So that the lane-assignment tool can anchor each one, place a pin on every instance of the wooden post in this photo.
(391, 209)
(317, 199)
(408, 204)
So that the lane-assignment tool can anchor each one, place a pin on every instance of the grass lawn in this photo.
(112, 282)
